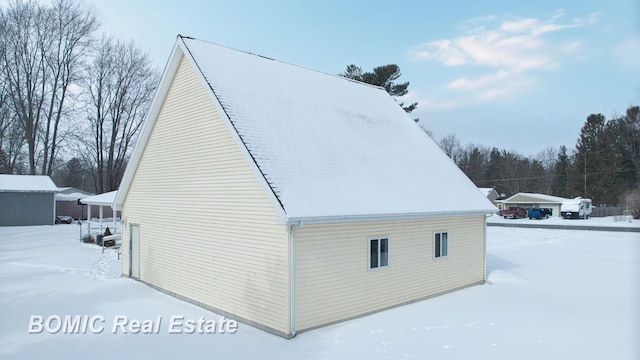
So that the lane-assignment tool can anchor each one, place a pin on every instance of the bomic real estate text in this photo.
(122, 324)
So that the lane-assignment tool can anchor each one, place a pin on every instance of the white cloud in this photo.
(482, 81)
(515, 43)
(506, 88)
(512, 47)
(522, 25)
(627, 52)
(437, 104)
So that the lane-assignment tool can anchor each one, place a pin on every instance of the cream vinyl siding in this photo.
(333, 280)
(208, 231)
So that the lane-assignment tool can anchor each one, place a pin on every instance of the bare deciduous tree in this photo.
(44, 49)
(11, 139)
(451, 146)
(120, 86)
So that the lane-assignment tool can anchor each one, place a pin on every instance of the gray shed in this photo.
(27, 200)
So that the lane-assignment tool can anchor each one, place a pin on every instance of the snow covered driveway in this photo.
(550, 294)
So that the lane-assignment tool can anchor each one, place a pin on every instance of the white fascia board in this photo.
(383, 217)
(236, 138)
(154, 110)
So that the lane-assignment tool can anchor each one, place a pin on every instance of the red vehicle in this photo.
(514, 212)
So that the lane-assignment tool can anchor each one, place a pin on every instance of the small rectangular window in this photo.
(373, 251)
(441, 244)
(378, 253)
(384, 252)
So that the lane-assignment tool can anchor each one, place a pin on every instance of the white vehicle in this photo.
(577, 208)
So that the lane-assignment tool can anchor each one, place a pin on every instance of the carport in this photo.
(100, 201)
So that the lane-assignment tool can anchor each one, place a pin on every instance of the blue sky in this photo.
(512, 74)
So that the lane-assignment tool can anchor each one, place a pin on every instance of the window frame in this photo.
(437, 237)
(378, 252)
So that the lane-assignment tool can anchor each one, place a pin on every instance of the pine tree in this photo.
(383, 76)
(590, 163)
(560, 184)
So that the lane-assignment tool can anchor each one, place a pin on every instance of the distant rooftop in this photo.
(26, 183)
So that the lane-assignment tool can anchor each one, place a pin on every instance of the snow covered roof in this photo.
(70, 190)
(68, 193)
(327, 147)
(70, 196)
(533, 198)
(105, 199)
(26, 183)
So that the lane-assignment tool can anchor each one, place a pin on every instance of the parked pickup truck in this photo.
(514, 212)
(539, 213)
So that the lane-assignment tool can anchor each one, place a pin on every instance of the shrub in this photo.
(633, 205)
(88, 239)
(107, 232)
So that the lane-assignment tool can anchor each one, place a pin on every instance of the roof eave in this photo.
(384, 217)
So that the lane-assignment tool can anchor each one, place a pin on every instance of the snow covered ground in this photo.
(551, 294)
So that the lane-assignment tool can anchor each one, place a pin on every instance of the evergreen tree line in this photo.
(71, 99)
(604, 164)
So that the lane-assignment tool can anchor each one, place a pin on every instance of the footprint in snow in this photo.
(100, 270)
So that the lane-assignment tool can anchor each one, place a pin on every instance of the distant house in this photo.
(67, 202)
(27, 200)
(529, 200)
(290, 199)
(490, 193)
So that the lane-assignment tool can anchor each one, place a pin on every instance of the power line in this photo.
(550, 175)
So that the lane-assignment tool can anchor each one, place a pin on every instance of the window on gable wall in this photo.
(378, 253)
(441, 244)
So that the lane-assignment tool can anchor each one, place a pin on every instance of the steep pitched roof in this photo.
(26, 183)
(328, 148)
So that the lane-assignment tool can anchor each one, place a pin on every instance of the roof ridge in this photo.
(283, 62)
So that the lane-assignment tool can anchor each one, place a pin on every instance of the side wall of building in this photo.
(27, 208)
(333, 280)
